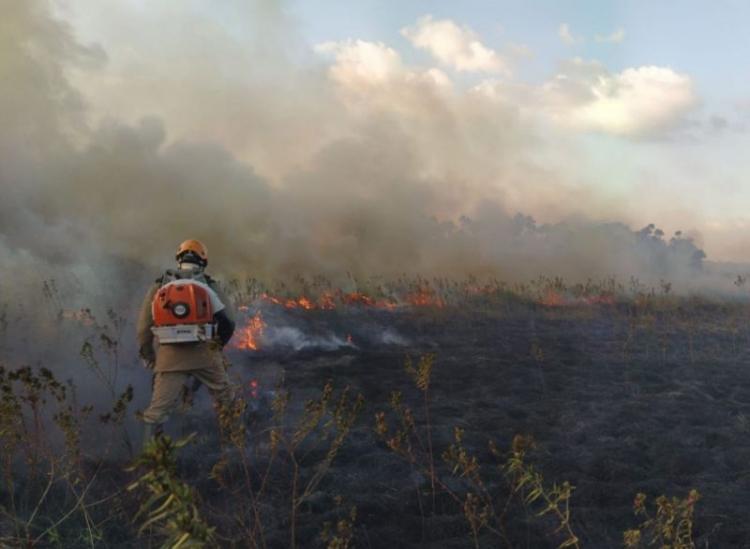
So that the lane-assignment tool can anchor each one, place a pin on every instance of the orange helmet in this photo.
(193, 246)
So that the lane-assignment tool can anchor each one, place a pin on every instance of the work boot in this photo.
(150, 432)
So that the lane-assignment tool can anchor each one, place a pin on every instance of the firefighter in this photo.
(190, 320)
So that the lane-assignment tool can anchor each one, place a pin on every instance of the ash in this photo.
(620, 400)
(645, 394)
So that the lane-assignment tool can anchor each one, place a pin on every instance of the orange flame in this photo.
(291, 303)
(327, 301)
(248, 337)
(357, 298)
(272, 299)
(305, 303)
(425, 297)
(555, 299)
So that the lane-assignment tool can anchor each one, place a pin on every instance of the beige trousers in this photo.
(167, 391)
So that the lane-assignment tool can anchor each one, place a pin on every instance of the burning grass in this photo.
(248, 336)
(626, 392)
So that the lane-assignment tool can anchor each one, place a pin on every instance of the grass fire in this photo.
(535, 412)
(275, 274)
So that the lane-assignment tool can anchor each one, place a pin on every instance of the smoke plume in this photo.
(341, 160)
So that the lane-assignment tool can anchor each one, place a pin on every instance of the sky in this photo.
(707, 43)
(632, 111)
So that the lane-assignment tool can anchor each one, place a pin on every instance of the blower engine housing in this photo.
(182, 312)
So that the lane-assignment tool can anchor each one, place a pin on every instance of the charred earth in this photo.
(649, 395)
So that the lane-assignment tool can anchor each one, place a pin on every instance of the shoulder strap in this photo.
(168, 276)
(175, 274)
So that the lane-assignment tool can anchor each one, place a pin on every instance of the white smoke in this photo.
(293, 338)
(365, 165)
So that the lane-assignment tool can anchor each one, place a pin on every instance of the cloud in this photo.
(456, 46)
(362, 63)
(616, 37)
(371, 77)
(567, 36)
(638, 102)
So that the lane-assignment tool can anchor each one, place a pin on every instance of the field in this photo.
(449, 416)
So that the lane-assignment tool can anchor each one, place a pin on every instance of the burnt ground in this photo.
(619, 400)
(650, 397)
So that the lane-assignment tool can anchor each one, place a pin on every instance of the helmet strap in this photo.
(191, 258)
(186, 266)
